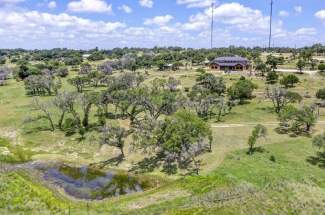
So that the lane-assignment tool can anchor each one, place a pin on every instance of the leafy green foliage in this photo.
(258, 132)
(95, 56)
(319, 142)
(289, 81)
(281, 97)
(242, 90)
(301, 64)
(296, 120)
(177, 141)
(272, 77)
(321, 94)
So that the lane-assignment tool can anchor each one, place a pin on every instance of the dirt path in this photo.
(309, 72)
(252, 124)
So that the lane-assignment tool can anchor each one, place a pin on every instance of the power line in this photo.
(271, 14)
(212, 24)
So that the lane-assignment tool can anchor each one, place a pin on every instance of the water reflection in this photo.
(87, 183)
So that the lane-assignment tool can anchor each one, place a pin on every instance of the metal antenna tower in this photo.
(212, 24)
(271, 14)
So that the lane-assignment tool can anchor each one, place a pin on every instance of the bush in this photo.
(289, 81)
(96, 56)
(321, 94)
(2, 60)
(200, 70)
(62, 72)
(321, 69)
(272, 77)
(242, 90)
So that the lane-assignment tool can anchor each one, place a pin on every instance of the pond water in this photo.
(90, 184)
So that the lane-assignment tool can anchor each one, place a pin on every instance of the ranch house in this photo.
(235, 63)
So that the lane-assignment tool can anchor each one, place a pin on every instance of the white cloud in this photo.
(305, 32)
(298, 9)
(196, 3)
(284, 13)
(232, 15)
(125, 8)
(159, 20)
(51, 5)
(320, 15)
(236, 24)
(10, 1)
(96, 6)
(45, 26)
(146, 3)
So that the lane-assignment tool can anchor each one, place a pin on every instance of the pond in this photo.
(91, 184)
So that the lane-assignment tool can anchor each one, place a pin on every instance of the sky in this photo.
(106, 24)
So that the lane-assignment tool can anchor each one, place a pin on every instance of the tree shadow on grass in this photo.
(256, 150)
(146, 165)
(113, 162)
(36, 129)
(286, 130)
(318, 160)
(266, 109)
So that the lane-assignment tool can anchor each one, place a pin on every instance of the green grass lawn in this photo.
(288, 185)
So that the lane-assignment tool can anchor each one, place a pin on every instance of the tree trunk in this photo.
(61, 120)
(85, 121)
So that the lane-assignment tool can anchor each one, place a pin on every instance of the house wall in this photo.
(234, 68)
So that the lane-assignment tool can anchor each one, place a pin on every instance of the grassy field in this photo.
(278, 179)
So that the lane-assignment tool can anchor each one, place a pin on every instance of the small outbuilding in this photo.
(234, 63)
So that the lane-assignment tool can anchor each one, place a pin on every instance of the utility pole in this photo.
(271, 14)
(212, 24)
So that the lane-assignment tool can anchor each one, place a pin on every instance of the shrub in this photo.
(321, 94)
(289, 81)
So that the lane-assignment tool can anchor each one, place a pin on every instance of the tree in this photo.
(79, 83)
(262, 68)
(242, 90)
(85, 69)
(258, 132)
(114, 136)
(177, 141)
(87, 100)
(321, 94)
(301, 64)
(298, 120)
(25, 70)
(307, 118)
(96, 56)
(3, 60)
(281, 97)
(272, 77)
(96, 78)
(62, 72)
(4, 73)
(202, 101)
(289, 81)
(212, 83)
(273, 62)
(45, 109)
(157, 101)
(41, 85)
(313, 64)
(319, 142)
(172, 84)
(64, 101)
(321, 69)
(106, 68)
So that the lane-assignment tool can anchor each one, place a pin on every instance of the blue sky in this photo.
(85, 24)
